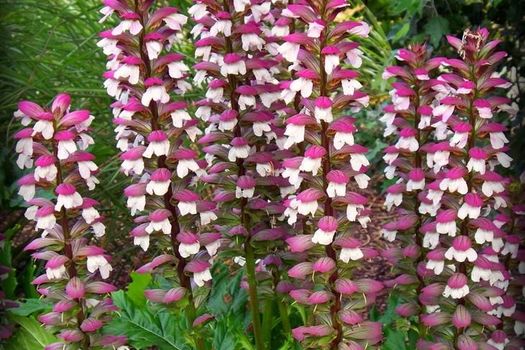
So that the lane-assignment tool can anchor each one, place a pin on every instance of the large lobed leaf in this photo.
(145, 327)
(30, 336)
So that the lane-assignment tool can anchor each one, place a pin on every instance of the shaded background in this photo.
(49, 46)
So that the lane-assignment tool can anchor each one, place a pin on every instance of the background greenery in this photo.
(49, 46)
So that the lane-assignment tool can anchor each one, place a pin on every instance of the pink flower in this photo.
(68, 197)
(323, 109)
(484, 109)
(331, 58)
(337, 181)
(155, 91)
(471, 206)
(233, 65)
(189, 244)
(45, 217)
(351, 249)
(446, 222)
(44, 125)
(159, 221)
(240, 149)
(306, 201)
(461, 250)
(416, 179)
(186, 162)
(136, 197)
(158, 145)
(344, 132)
(130, 23)
(200, 270)
(129, 69)
(159, 183)
(327, 227)
(187, 202)
(97, 261)
(460, 137)
(132, 161)
(456, 287)
(436, 261)
(477, 161)
(454, 181)
(91, 325)
(312, 159)
(245, 187)
(27, 187)
(55, 267)
(407, 140)
(75, 289)
(140, 237)
(304, 82)
(45, 168)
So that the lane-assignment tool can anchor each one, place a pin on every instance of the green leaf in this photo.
(30, 336)
(373, 315)
(223, 337)
(229, 333)
(394, 340)
(390, 315)
(31, 306)
(410, 7)
(401, 31)
(377, 149)
(145, 327)
(139, 283)
(226, 294)
(436, 28)
(26, 281)
(9, 283)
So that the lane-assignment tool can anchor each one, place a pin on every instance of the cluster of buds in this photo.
(155, 132)
(464, 245)
(326, 171)
(243, 141)
(53, 144)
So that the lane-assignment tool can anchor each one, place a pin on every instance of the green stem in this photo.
(283, 308)
(252, 292)
(267, 321)
(283, 312)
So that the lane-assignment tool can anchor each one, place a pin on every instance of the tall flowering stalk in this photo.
(485, 247)
(412, 161)
(54, 146)
(328, 163)
(155, 132)
(242, 137)
(464, 273)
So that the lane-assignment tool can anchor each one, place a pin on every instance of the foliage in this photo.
(30, 336)
(146, 327)
(396, 335)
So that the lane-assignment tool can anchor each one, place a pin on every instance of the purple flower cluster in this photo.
(157, 135)
(327, 170)
(243, 137)
(53, 145)
(457, 248)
